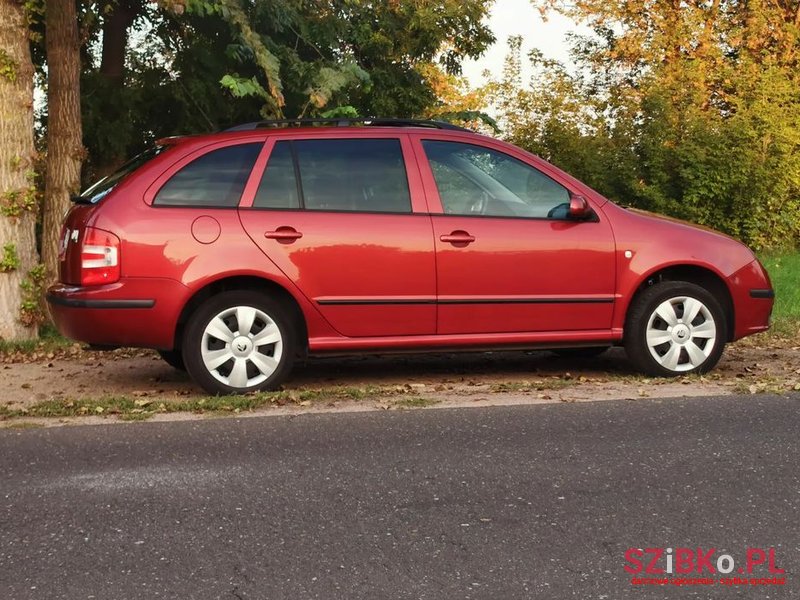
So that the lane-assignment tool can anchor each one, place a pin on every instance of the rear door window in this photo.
(278, 187)
(215, 179)
(353, 175)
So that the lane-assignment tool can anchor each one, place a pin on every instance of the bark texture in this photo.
(16, 165)
(64, 134)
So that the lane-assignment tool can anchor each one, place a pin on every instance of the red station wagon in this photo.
(233, 253)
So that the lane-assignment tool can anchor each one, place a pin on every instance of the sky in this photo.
(518, 17)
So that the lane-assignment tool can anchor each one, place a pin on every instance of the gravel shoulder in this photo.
(761, 364)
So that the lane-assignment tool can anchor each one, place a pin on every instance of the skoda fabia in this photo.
(233, 253)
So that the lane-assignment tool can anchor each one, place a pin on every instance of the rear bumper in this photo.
(753, 299)
(77, 303)
(132, 312)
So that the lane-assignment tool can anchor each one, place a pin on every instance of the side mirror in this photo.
(579, 208)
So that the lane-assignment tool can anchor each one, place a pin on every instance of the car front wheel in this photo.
(675, 328)
(239, 342)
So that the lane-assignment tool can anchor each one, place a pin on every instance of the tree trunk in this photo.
(64, 137)
(115, 38)
(116, 25)
(17, 155)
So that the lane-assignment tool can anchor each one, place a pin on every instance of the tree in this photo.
(205, 65)
(272, 58)
(687, 108)
(18, 196)
(64, 133)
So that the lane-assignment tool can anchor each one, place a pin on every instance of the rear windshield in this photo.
(101, 189)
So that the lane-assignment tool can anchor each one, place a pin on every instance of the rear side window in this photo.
(214, 179)
(359, 175)
(106, 185)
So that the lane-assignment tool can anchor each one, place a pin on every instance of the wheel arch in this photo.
(699, 275)
(244, 282)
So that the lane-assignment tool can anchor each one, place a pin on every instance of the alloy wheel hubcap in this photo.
(681, 333)
(241, 346)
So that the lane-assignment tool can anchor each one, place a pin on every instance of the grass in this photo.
(551, 383)
(137, 409)
(415, 402)
(25, 425)
(49, 340)
(784, 270)
(129, 408)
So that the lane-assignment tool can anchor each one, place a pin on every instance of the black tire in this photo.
(173, 358)
(247, 358)
(590, 352)
(680, 296)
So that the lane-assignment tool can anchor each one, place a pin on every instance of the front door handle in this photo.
(284, 234)
(458, 238)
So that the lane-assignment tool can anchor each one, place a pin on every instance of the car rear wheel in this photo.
(174, 358)
(239, 342)
(675, 328)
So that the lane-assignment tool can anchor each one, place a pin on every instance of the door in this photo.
(508, 257)
(335, 215)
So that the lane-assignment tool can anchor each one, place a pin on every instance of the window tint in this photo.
(215, 179)
(478, 181)
(356, 175)
(278, 187)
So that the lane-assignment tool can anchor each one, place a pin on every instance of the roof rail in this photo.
(346, 122)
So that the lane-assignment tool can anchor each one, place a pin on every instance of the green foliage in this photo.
(784, 270)
(207, 64)
(240, 87)
(34, 14)
(232, 12)
(32, 311)
(8, 67)
(675, 121)
(15, 202)
(340, 112)
(329, 81)
(10, 259)
(470, 116)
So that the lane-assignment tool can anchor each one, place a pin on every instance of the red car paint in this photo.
(379, 281)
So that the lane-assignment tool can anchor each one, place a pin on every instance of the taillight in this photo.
(99, 257)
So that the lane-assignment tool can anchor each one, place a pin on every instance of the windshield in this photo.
(101, 189)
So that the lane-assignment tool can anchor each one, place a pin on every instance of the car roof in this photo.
(303, 126)
(347, 122)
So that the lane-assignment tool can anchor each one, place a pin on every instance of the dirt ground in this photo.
(761, 364)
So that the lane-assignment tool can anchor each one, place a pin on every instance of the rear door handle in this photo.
(458, 238)
(283, 234)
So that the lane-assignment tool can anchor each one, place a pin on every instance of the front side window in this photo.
(215, 179)
(473, 180)
(365, 175)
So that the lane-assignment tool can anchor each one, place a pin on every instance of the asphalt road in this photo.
(501, 503)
